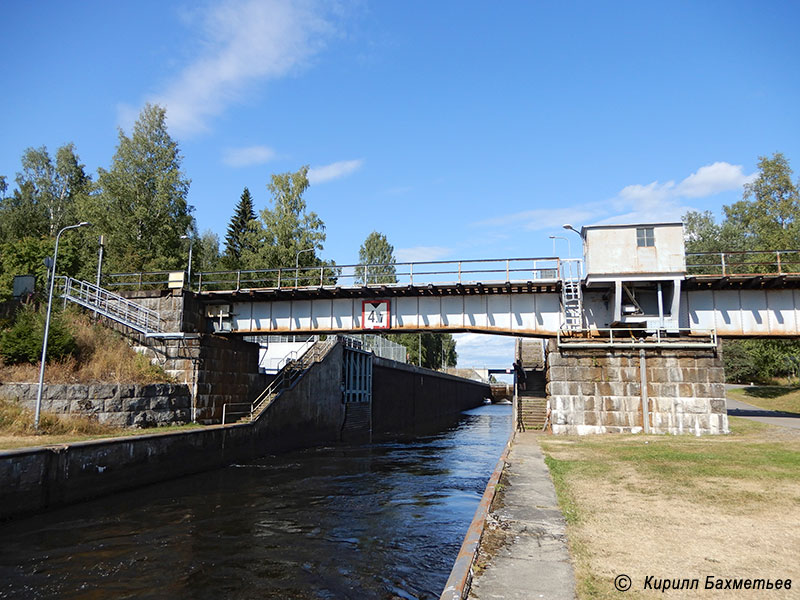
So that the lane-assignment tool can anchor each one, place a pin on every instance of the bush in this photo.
(22, 341)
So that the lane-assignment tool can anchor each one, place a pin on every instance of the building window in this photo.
(645, 237)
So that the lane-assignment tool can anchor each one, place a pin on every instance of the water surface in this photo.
(371, 521)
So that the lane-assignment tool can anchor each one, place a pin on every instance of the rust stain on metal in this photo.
(457, 586)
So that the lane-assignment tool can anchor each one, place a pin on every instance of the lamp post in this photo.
(561, 237)
(47, 322)
(297, 264)
(189, 271)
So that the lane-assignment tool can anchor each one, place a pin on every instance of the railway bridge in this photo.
(633, 329)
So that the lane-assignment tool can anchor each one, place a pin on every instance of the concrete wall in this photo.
(409, 399)
(310, 413)
(599, 391)
(117, 404)
(613, 249)
(36, 478)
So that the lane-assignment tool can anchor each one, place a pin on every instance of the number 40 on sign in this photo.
(375, 314)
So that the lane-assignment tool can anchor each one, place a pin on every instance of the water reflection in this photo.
(372, 521)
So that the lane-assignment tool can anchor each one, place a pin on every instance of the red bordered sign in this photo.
(375, 314)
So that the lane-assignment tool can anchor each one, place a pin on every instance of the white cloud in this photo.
(248, 156)
(544, 218)
(635, 203)
(244, 42)
(713, 179)
(421, 253)
(482, 350)
(334, 170)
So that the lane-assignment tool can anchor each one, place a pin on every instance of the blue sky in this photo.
(458, 129)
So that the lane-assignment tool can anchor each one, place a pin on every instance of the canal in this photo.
(382, 520)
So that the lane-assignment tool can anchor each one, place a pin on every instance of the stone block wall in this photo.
(217, 369)
(599, 391)
(180, 310)
(117, 404)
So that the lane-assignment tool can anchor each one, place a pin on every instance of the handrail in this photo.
(498, 270)
(627, 337)
(290, 373)
(785, 262)
(112, 306)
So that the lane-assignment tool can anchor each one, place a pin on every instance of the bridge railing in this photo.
(754, 262)
(624, 337)
(485, 271)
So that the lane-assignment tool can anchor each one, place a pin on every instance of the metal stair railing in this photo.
(112, 306)
(289, 373)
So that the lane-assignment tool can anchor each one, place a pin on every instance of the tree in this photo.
(376, 260)
(768, 216)
(241, 223)
(55, 185)
(286, 229)
(207, 252)
(438, 349)
(47, 195)
(142, 206)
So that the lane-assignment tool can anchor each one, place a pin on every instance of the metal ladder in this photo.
(113, 306)
(571, 294)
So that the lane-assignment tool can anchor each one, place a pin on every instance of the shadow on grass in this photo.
(769, 391)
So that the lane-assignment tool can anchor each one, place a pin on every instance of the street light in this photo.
(47, 322)
(189, 273)
(561, 237)
(297, 264)
(571, 228)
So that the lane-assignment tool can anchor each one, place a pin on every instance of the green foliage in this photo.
(286, 228)
(767, 218)
(25, 256)
(438, 349)
(376, 260)
(760, 361)
(242, 222)
(206, 252)
(286, 234)
(142, 205)
(22, 342)
(48, 192)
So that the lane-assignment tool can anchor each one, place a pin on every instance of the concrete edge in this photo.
(118, 439)
(460, 580)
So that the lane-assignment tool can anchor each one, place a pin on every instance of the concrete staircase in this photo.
(532, 397)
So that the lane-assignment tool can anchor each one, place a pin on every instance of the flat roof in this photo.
(632, 225)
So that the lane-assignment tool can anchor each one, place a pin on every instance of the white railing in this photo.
(112, 306)
(622, 337)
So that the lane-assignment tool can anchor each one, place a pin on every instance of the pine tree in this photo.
(241, 223)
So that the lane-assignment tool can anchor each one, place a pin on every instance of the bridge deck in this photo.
(385, 291)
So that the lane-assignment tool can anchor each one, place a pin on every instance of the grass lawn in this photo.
(681, 507)
(769, 397)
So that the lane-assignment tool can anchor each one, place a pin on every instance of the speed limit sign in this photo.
(375, 314)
